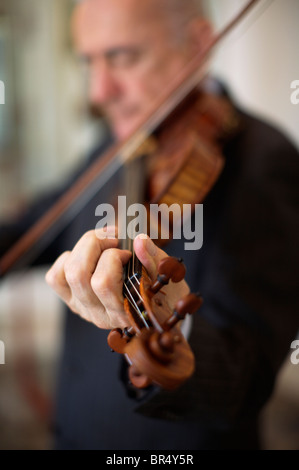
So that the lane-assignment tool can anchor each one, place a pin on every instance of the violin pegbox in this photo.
(173, 269)
(169, 269)
(158, 353)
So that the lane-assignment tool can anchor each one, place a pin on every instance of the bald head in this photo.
(174, 13)
(181, 11)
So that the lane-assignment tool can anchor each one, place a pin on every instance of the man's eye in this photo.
(124, 58)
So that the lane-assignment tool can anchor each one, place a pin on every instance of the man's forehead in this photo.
(126, 10)
(102, 19)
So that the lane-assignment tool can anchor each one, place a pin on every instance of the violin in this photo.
(154, 345)
(185, 130)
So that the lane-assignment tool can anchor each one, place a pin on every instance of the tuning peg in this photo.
(169, 269)
(118, 339)
(161, 346)
(188, 305)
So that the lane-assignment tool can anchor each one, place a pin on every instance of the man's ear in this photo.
(200, 34)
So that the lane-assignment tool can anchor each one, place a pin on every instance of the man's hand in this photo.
(89, 279)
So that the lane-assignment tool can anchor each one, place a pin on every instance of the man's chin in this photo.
(124, 128)
(123, 132)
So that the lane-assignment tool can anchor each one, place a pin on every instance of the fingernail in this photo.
(142, 236)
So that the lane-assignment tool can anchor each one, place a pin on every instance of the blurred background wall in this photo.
(260, 59)
(46, 129)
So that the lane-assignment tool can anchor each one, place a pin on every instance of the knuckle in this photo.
(100, 284)
(51, 277)
(88, 236)
(75, 275)
(55, 274)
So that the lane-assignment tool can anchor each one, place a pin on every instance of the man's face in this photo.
(131, 54)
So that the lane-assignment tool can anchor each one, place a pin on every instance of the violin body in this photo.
(189, 159)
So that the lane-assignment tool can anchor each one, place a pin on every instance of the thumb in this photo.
(149, 254)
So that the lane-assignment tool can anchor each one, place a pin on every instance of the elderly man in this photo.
(246, 269)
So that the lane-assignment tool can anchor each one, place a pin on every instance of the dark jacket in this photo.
(247, 272)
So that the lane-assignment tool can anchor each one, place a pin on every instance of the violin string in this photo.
(132, 236)
(135, 289)
(129, 187)
(131, 300)
(140, 297)
(135, 306)
(132, 175)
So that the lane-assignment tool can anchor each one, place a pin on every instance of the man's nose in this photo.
(103, 86)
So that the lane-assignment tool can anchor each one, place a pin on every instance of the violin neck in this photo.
(135, 189)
